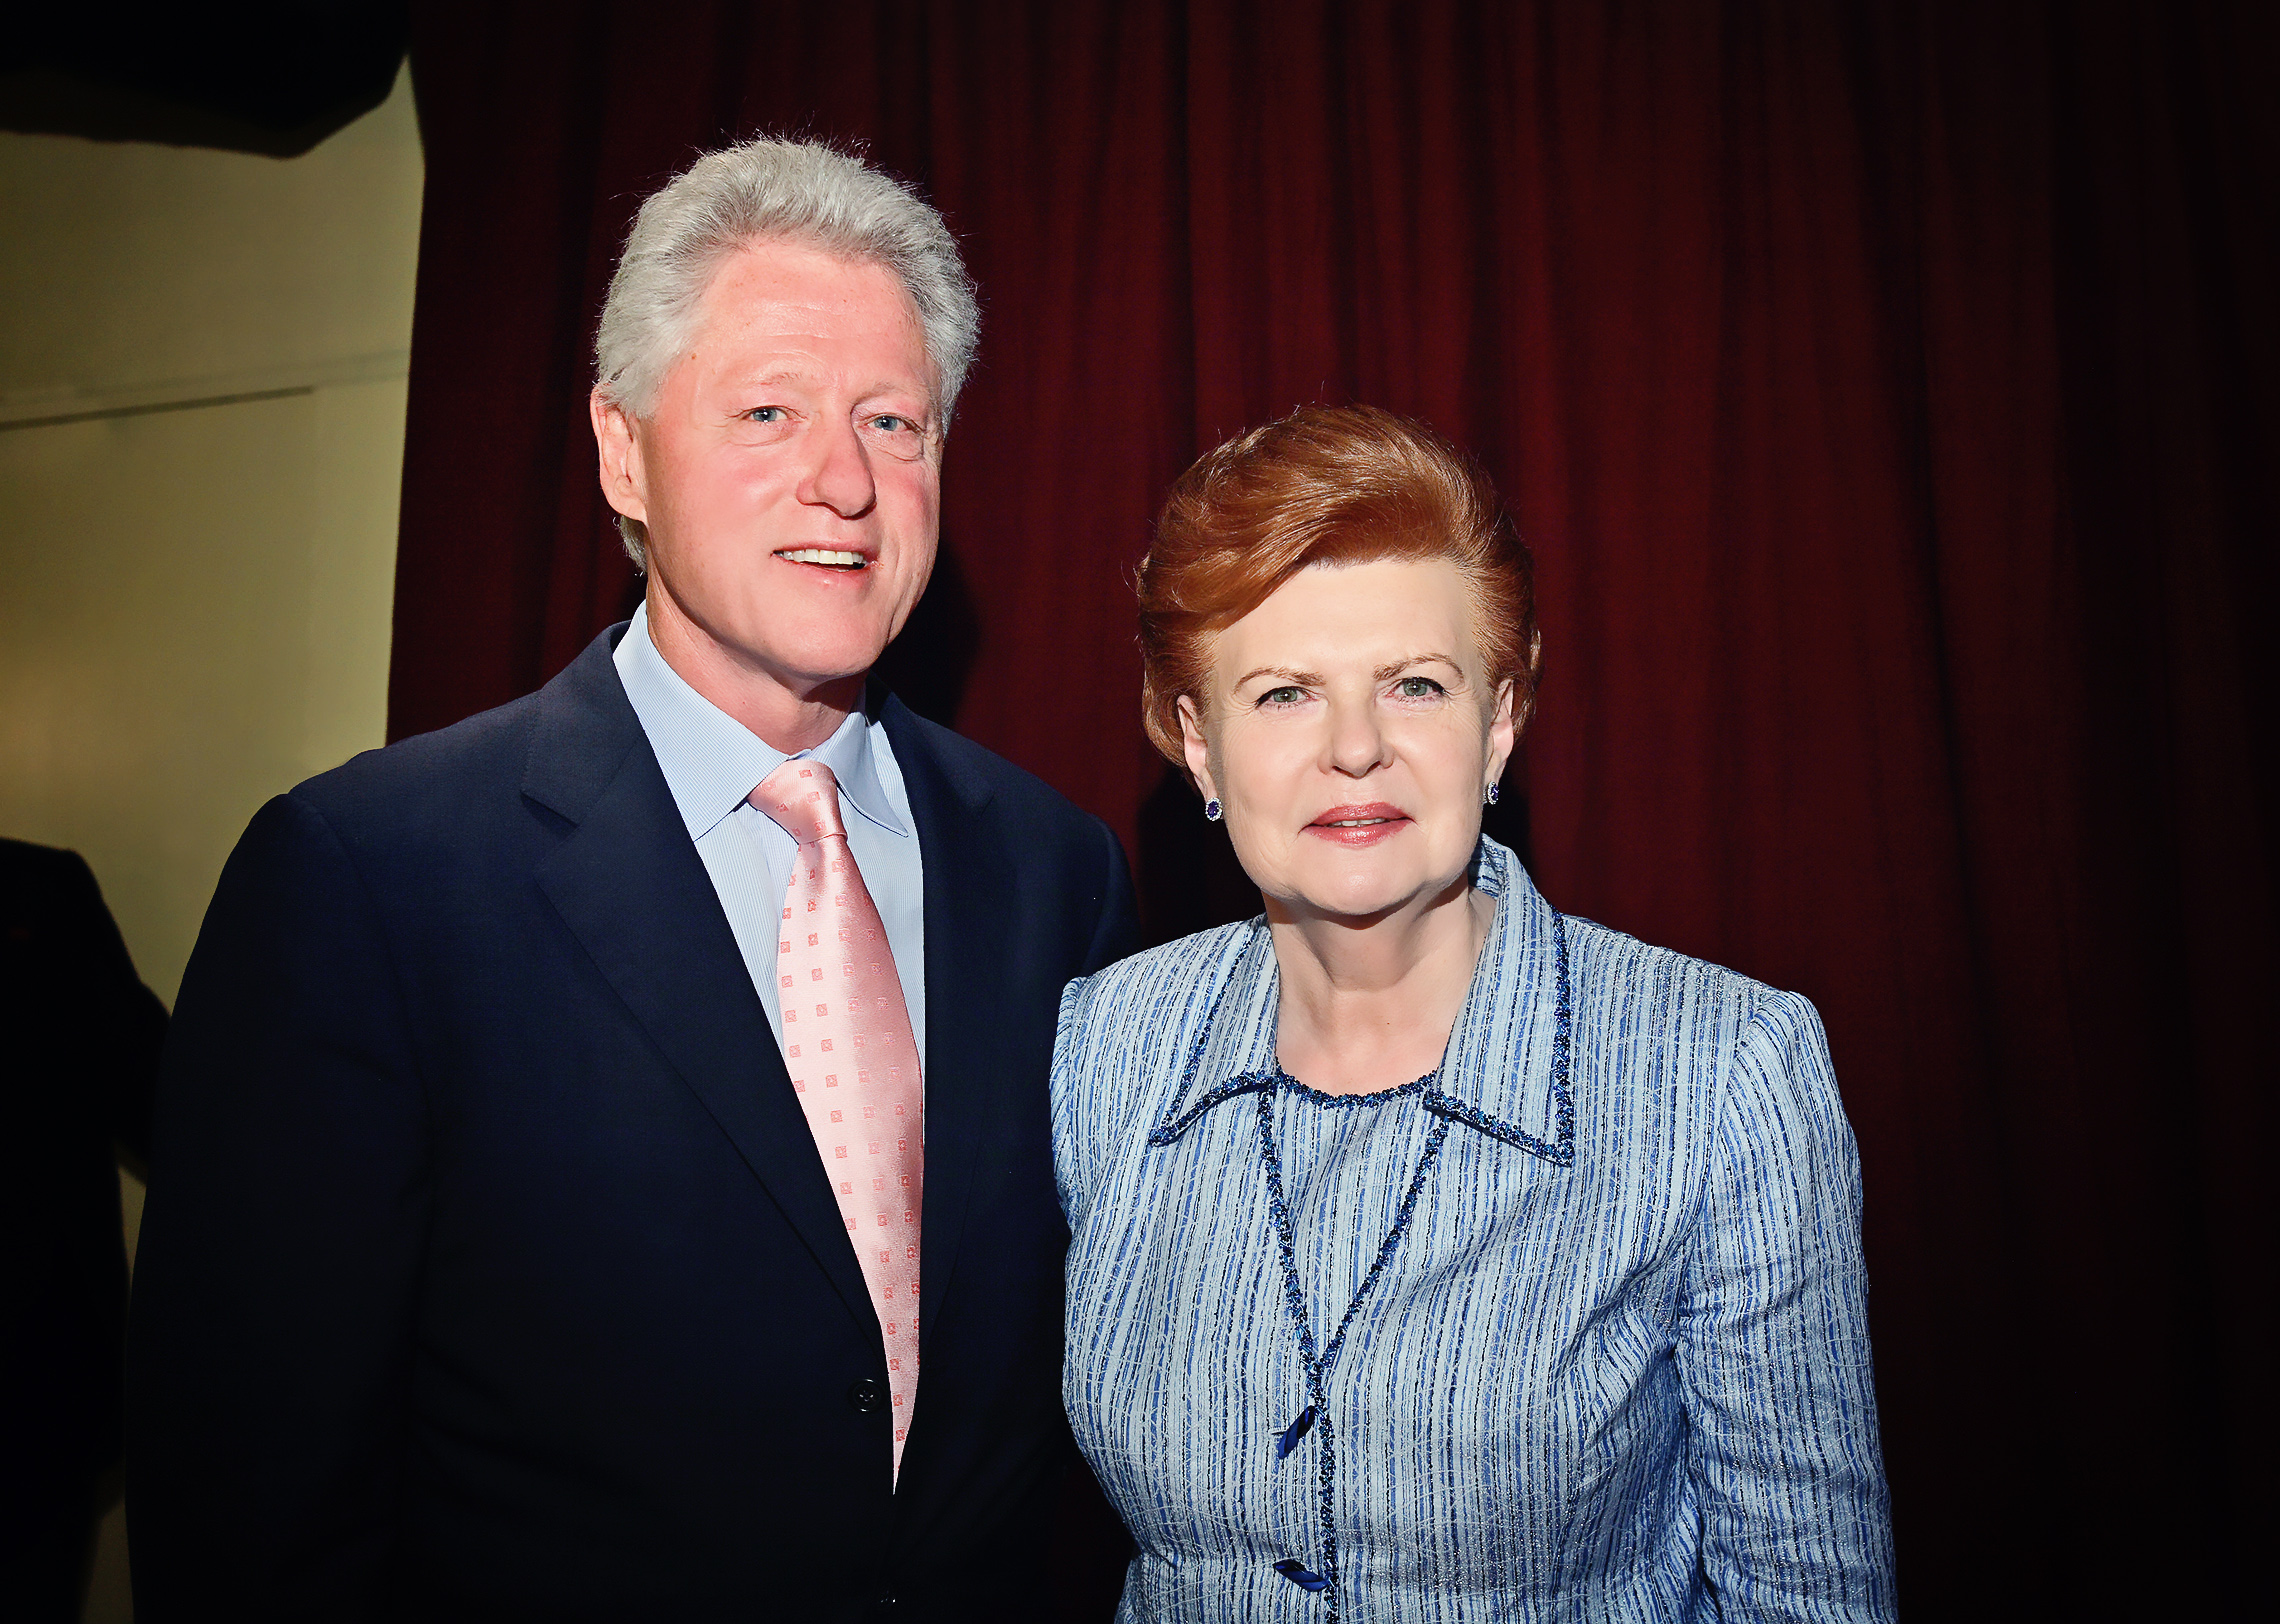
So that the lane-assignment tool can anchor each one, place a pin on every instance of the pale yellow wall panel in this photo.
(128, 265)
(196, 619)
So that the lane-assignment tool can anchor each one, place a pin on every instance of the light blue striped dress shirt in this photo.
(1616, 1365)
(711, 762)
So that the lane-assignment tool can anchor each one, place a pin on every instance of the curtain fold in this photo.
(1888, 394)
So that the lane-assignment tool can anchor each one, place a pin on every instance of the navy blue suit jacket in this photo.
(489, 1269)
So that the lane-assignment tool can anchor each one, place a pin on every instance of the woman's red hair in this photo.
(1325, 485)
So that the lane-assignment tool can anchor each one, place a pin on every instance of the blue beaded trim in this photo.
(1249, 1082)
(1347, 1102)
(1560, 1152)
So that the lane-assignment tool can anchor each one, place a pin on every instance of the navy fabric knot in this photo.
(1295, 1431)
(1299, 1574)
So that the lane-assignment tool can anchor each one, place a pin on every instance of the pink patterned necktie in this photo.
(854, 1064)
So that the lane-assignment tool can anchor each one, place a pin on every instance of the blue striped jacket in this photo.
(1573, 1329)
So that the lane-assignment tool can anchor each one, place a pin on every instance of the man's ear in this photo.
(623, 484)
(1198, 750)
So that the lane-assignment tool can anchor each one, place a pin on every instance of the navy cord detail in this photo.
(1318, 1366)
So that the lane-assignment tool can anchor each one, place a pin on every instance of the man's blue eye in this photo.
(892, 424)
(766, 414)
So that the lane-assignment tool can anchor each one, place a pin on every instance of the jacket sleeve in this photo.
(1773, 1345)
(114, 1021)
(1070, 1149)
(271, 1331)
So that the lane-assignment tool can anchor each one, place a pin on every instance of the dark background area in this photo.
(1888, 392)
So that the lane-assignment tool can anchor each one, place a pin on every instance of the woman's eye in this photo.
(1282, 696)
(1418, 688)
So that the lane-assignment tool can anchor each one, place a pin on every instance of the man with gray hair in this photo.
(603, 1165)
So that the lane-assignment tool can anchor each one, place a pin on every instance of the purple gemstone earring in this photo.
(1212, 810)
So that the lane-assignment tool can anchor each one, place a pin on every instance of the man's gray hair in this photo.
(803, 192)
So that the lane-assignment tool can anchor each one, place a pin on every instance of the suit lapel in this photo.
(969, 898)
(630, 886)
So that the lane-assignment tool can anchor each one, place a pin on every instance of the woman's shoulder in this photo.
(1616, 970)
(1140, 993)
(1613, 975)
(1746, 1045)
(1125, 1035)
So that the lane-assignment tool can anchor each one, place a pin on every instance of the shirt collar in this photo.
(711, 761)
(1506, 1070)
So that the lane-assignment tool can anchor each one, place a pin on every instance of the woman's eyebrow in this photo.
(1305, 679)
(1384, 672)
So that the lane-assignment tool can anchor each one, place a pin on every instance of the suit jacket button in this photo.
(869, 1394)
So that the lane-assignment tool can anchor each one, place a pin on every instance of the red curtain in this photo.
(1888, 392)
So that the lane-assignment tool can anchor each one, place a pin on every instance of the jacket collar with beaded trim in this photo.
(1505, 1074)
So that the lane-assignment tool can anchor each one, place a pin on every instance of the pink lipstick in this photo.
(1358, 826)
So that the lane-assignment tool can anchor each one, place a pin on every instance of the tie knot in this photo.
(802, 798)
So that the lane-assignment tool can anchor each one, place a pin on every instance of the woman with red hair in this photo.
(1436, 1255)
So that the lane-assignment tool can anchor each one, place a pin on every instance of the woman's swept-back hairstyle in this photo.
(804, 192)
(1325, 485)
